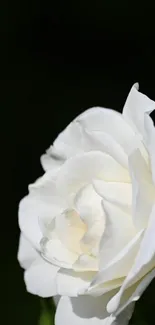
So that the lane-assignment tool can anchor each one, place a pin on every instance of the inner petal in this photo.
(88, 205)
(56, 253)
(70, 229)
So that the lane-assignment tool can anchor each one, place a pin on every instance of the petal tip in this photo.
(136, 85)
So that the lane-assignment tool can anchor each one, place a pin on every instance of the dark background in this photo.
(63, 57)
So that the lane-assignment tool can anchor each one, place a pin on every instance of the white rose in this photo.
(88, 225)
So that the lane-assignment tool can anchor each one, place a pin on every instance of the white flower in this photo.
(88, 225)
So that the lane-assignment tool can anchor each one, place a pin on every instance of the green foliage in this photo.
(47, 312)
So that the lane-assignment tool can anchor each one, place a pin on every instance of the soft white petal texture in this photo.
(55, 252)
(29, 212)
(51, 160)
(68, 143)
(108, 131)
(137, 104)
(70, 229)
(70, 283)
(124, 316)
(118, 232)
(86, 262)
(26, 253)
(40, 278)
(101, 289)
(82, 169)
(108, 121)
(83, 310)
(150, 140)
(120, 265)
(134, 293)
(100, 140)
(95, 129)
(38, 208)
(115, 192)
(144, 262)
(88, 205)
(87, 310)
(45, 185)
(143, 191)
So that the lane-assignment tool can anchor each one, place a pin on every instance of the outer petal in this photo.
(83, 310)
(82, 135)
(108, 131)
(118, 232)
(82, 169)
(143, 191)
(40, 278)
(144, 262)
(118, 267)
(100, 140)
(137, 104)
(26, 253)
(71, 283)
(51, 160)
(29, 222)
(134, 293)
(110, 122)
(39, 207)
(150, 138)
(68, 143)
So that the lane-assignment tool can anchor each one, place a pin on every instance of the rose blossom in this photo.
(88, 224)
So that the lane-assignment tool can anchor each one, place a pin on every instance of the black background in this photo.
(63, 57)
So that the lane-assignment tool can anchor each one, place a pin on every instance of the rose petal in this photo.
(52, 159)
(55, 252)
(119, 266)
(70, 230)
(70, 283)
(40, 278)
(149, 137)
(82, 169)
(39, 208)
(115, 192)
(143, 191)
(144, 262)
(29, 212)
(118, 232)
(75, 138)
(86, 263)
(88, 205)
(99, 140)
(83, 310)
(137, 104)
(67, 144)
(101, 289)
(26, 253)
(134, 293)
(110, 122)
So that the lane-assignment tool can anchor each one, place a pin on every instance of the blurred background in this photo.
(61, 58)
